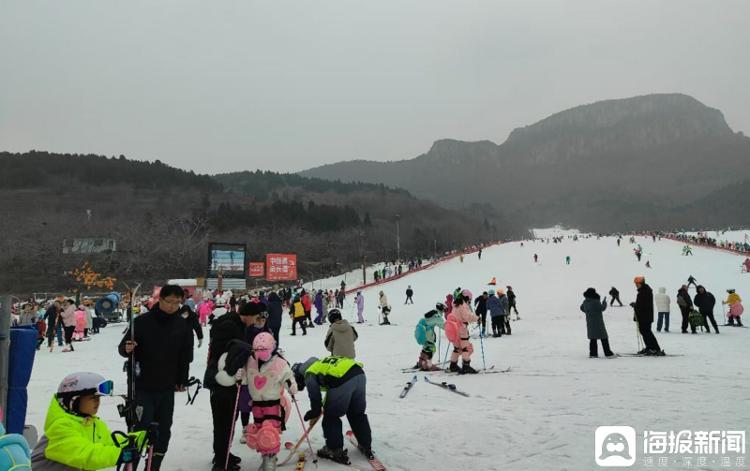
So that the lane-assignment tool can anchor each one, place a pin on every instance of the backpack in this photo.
(695, 318)
(452, 327)
(420, 333)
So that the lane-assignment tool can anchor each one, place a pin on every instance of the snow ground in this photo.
(540, 416)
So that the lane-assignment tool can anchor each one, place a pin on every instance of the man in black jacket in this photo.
(480, 307)
(685, 304)
(644, 315)
(163, 347)
(409, 294)
(275, 311)
(225, 331)
(705, 302)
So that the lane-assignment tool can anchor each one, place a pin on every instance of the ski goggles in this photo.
(105, 388)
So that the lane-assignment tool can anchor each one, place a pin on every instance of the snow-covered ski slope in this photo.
(543, 413)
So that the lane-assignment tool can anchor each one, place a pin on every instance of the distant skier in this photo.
(614, 296)
(644, 315)
(687, 250)
(409, 294)
(594, 309)
(662, 301)
(505, 317)
(359, 300)
(480, 253)
(746, 265)
(618, 244)
(692, 281)
(512, 301)
(567, 259)
(648, 264)
(735, 308)
(385, 308)
(536, 258)
(341, 336)
(318, 303)
(496, 309)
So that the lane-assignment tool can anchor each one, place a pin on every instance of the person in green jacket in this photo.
(344, 382)
(74, 437)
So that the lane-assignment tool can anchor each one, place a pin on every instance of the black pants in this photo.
(685, 311)
(301, 322)
(497, 326)
(222, 408)
(663, 320)
(513, 307)
(605, 346)
(648, 337)
(408, 298)
(483, 319)
(615, 298)
(709, 316)
(348, 399)
(157, 407)
(69, 335)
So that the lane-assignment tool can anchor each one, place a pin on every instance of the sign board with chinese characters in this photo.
(281, 267)
(256, 269)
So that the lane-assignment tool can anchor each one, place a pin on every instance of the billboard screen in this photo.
(256, 269)
(226, 259)
(281, 267)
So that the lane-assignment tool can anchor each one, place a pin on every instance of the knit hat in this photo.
(590, 293)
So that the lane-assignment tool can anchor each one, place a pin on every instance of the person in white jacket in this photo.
(661, 299)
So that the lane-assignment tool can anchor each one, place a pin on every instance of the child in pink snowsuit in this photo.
(204, 310)
(80, 324)
(463, 316)
(268, 374)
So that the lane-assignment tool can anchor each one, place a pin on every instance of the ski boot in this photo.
(655, 353)
(643, 352)
(453, 367)
(466, 369)
(339, 456)
(269, 463)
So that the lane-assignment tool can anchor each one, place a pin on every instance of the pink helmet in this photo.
(467, 294)
(264, 345)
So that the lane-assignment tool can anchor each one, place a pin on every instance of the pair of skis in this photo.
(446, 386)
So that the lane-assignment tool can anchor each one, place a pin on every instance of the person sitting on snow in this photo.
(425, 335)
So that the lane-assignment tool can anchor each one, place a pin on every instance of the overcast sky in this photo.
(235, 85)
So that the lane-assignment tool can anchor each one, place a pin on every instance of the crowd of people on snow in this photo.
(250, 379)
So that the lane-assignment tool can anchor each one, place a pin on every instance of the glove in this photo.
(632, 304)
(200, 343)
(311, 414)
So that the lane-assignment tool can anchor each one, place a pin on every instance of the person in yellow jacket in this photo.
(735, 308)
(74, 437)
(344, 382)
(297, 310)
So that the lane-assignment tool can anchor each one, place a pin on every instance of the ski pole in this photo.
(481, 343)
(231, 431)
(440, 336)
(302, 422)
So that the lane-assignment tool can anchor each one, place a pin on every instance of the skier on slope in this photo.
(359, 300)
(505, 316)
(644, 316)
(512, 301)
(692, 281)
(344, 382)
(614, 296)
(267, 375)
(496, 309)
(685, 303)
(705, 302)
(735, 308)
(457, 324)
(480, 307)
(385, 308)
(425, 335)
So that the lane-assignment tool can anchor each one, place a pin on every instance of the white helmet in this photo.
(80, 384)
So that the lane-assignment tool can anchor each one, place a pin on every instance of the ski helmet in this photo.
(80, 384)
(490, 292)
(299, 370)
(263, 346)
(334, 315)
(440, 307)
(467, 294)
